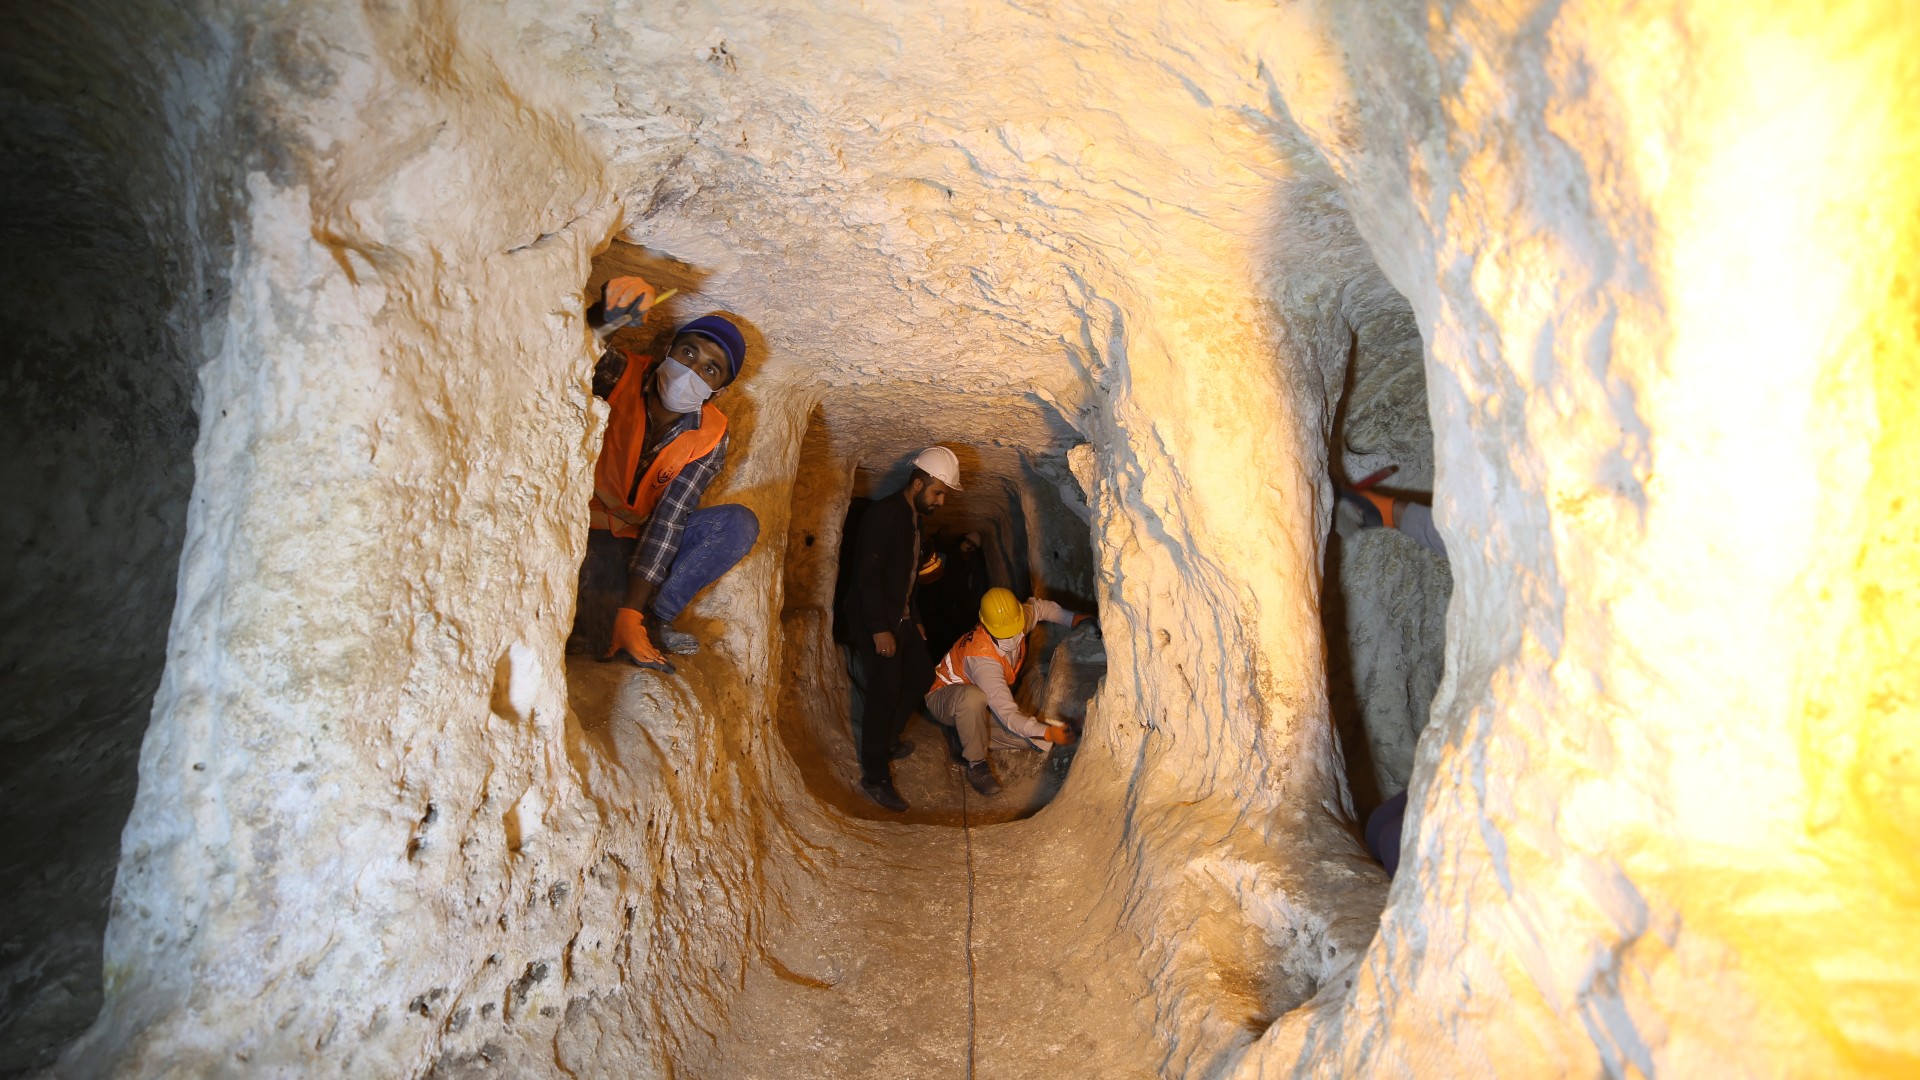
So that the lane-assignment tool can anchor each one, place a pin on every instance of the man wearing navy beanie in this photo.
(665, 443)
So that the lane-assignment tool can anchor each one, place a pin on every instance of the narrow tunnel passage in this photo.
(873, 956)
(899, 925)
(822, 689)
(927, 947)
(1385, 599)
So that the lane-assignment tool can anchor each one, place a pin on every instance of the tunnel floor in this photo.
(918, 949)
(934, 788)
(926, 951)
(872, 977)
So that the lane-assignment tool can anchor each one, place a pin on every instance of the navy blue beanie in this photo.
(720, 331)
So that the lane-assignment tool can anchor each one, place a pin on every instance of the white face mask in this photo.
(680, 389)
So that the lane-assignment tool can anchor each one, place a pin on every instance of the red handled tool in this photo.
(1375, 477)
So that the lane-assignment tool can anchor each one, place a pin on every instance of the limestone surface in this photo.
(1624, 287)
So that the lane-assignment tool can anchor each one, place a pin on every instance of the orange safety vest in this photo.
(952, 669)
(626, 439)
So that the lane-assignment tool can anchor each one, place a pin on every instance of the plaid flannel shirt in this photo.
(660, 536)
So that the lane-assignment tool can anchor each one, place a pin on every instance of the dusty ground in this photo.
(879, 972)
(960, 942)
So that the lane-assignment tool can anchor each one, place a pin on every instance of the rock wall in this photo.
(384, 828)
(1658, 824)
(112, 254)
(360, 744)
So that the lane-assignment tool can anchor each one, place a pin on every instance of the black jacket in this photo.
(882, 575)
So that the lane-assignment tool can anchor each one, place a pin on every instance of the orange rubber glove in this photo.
(1384, 504)
(626, 297)
(1058, 734)
(630, 637)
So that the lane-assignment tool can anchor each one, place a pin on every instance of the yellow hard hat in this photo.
(1001, 614)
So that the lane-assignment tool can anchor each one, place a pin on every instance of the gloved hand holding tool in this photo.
(626, 301)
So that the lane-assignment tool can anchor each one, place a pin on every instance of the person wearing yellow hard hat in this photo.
(972, 692)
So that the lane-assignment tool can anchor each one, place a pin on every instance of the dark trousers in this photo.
(896, 686)
(1383, 831)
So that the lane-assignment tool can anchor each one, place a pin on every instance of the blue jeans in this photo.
(716, 538)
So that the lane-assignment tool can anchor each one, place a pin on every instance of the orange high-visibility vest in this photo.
(625, 441)
(952, 669)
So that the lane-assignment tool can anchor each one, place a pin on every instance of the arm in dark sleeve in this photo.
(869, 568)
(660, 539)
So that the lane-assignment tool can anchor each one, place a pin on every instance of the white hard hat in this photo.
(939, 463)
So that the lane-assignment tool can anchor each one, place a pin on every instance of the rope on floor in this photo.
(966, 830)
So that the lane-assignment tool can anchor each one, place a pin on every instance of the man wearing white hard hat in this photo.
(883, 626)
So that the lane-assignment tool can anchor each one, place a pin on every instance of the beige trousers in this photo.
(963, 707)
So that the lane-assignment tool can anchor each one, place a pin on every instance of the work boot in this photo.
(980, 775)
(903, 750)
(677, 642)
(882, 792)
(955, 749)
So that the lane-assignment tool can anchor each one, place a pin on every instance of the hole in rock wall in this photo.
(1384, 602)
(1019, 522)
(1005, 528)
(608, 702)
(605, 569)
